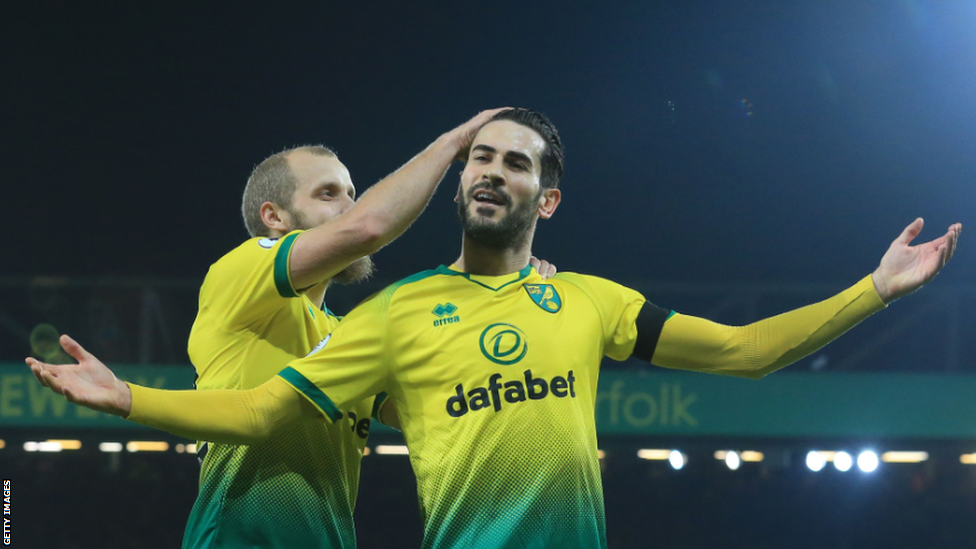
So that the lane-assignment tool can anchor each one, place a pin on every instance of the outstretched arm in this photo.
(233, 417)
(765, 346)
(384, 212)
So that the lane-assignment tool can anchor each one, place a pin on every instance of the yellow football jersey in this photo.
(297, 489)
(495, 383)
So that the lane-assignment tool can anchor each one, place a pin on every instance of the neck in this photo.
(316, 294)
(478, 259)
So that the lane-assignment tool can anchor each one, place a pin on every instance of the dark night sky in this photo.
(129, 130)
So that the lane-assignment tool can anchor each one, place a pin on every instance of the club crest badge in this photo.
(545, 296)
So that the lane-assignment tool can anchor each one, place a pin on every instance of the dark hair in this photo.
(552, 156)
(272, 181)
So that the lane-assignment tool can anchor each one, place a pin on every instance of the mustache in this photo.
(484, 185)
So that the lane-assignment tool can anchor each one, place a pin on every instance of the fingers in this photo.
(911, 231)
(485, 116)
(952, 240)
(545, 269)
(74, 349)
(36, 368)
(548, 270)
(48, 379)
(46, 375)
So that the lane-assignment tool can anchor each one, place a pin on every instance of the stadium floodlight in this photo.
(732, 460)
(110, 447)
(843, 461)
(191, 448)
(46, 446)
(867, 461)
(68, 444)
(653, 454)
(904, 457)
(147, 446)
(600, 454)
(2, 444)
(392, 450)
(815, 461)
(677, 459)
(752, 456)
(968, 459)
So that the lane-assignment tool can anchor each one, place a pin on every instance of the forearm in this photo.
(228, 416)
(691, 343)
(389, 207)
(383, 213)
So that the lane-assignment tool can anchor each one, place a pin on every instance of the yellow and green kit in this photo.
(297, 489)
(495, 382)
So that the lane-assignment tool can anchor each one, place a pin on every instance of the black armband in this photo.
(650, 322)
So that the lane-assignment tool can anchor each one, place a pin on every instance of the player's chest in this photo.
(472, 334)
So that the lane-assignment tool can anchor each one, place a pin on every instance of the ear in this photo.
(275, 218)
(548, 202)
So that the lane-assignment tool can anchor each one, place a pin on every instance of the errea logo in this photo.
(445, 314)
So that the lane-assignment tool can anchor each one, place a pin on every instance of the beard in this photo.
(357, 271)
(510, 232)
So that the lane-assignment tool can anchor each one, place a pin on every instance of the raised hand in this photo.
(545, 269)
(906, 268)
(89, 383)
(463, 135)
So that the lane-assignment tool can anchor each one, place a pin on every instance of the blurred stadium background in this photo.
(730, 160)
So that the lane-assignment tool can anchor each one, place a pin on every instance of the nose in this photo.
(493, 174)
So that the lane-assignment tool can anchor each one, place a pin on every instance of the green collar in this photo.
(445, 270)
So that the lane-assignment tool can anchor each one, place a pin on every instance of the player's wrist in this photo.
(881, 286)
(451, 144)
(123, 405)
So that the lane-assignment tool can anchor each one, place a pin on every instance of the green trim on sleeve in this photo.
(377, 404)
(313, 393)
(672, 313)
(282, 277)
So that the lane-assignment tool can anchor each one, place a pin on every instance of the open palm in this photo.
(906, 268)
(88, 383)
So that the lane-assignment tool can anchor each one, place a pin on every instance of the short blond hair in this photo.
(273, 181)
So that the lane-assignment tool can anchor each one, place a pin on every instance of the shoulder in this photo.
(423, 279)
(587, 283)
(253, 253)
(383, 298)
(603, 293)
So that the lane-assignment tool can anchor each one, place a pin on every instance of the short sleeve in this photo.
(619, 308)
(350, 364)
(249, 284)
